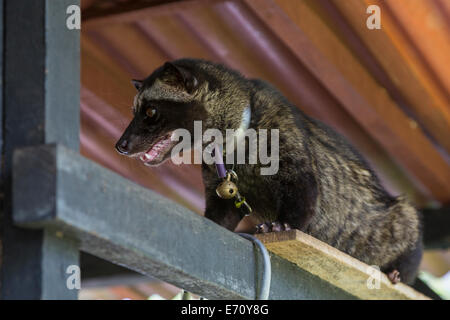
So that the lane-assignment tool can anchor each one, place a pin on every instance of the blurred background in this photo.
(387, 90)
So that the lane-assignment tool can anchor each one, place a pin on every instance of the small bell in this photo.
(227, 189)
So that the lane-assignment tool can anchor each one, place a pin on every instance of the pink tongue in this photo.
(156, 150)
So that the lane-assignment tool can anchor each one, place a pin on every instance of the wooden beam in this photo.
(334, 266)
(403, 72)
(103, 76)
(41, 105)
(444, 7)
(329, 60)
(94, 268)
(426, 28)
(129, 48)
(143, 12)
(114, 219)
(97, 8)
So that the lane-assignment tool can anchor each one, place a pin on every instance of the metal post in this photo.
(41, 85)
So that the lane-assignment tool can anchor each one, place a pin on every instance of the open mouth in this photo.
(158, 150)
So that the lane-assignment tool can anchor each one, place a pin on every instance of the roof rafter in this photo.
(131, 11)
(319, 49)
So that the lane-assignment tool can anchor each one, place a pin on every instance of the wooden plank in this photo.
(169, 34)
(116, 220)
(130, 47)
(94, 268)
(321, 51)
(426, 27)
(146, 12)
(402, 66)
(41, 105)
(334, 266)
(99, 8)
(444, 7)
(410, 55)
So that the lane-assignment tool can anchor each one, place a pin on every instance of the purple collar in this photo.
(218, 159)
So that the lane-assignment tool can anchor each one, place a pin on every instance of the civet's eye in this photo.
(150, 112)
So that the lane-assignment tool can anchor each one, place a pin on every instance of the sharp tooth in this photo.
(147, 156)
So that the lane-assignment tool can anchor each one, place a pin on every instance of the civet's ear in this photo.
(187, 79)
(137, 84)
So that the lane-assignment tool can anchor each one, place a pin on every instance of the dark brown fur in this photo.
(323, 186)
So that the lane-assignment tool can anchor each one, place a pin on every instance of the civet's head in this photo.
(167, 100)
(173, 97)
